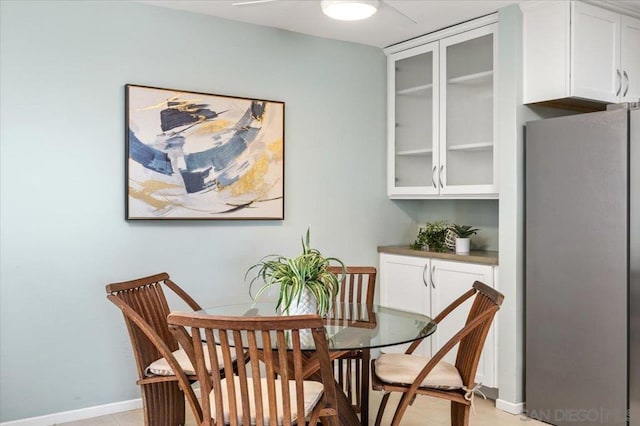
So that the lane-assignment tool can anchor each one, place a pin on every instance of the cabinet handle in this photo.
(440, 176)
(433, 179)
(433, 269)
(626, 77)
(619, 82)
(424, 280)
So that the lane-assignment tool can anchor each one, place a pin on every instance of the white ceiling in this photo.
(388, 26)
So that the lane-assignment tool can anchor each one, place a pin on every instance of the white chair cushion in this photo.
(161, 366)
(402, 368)
(312, 394)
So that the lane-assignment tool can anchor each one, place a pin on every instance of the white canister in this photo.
(462, 245)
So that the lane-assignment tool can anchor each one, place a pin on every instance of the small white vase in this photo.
(462, 245)
(306, 306)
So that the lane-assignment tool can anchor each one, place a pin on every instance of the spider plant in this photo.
(464, 231)
(308, 271)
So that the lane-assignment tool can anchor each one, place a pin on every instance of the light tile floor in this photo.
(424, 412)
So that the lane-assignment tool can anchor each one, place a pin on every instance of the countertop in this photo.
(474, 256)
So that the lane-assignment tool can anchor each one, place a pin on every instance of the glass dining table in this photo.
(349, 327)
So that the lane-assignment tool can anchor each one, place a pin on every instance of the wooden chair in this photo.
(416, 375)
(352, 370)
(145, 309)
(250, 398)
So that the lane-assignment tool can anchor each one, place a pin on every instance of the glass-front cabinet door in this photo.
(467, 113)
(413, 122)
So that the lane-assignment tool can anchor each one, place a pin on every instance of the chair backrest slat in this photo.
(255, 372)
(271, 373)
(284, 376)
(298, 373)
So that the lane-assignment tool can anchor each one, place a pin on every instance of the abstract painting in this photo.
(193, 155)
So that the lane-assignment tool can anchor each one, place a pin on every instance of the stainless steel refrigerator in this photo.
(582, 269)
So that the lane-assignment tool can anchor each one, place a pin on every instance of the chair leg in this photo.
(405, 401)
(383, 405)
(315, 416)
(349, 377)
(364, 389)
(459, 414)
(163, 404)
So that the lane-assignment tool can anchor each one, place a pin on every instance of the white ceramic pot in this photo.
(462, 245)
(306, 306)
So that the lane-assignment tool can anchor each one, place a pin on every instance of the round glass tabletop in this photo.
(350, 326)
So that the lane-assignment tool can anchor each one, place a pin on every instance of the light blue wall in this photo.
(63, 66)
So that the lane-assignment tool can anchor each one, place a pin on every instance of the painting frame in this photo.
(201, 156)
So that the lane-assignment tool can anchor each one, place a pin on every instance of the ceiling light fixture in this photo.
(349, 10)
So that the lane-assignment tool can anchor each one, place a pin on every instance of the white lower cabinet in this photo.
(404, 285)
(450, 281)
(428, 286)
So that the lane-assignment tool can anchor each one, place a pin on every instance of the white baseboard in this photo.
(73, 415)
(510, 407)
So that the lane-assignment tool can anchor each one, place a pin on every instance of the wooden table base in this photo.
(346, 414)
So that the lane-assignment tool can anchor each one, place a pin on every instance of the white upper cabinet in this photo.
(441, 129)
(579, 54)
(467, 118)
(630, 59)
(595, 53)
(413, 108)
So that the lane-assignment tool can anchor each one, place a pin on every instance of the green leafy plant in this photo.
(433, 236)
(307, 271)
(464, 231)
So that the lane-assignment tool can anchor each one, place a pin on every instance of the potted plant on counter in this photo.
(306, 285)
(463, 239)
(432, 237)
